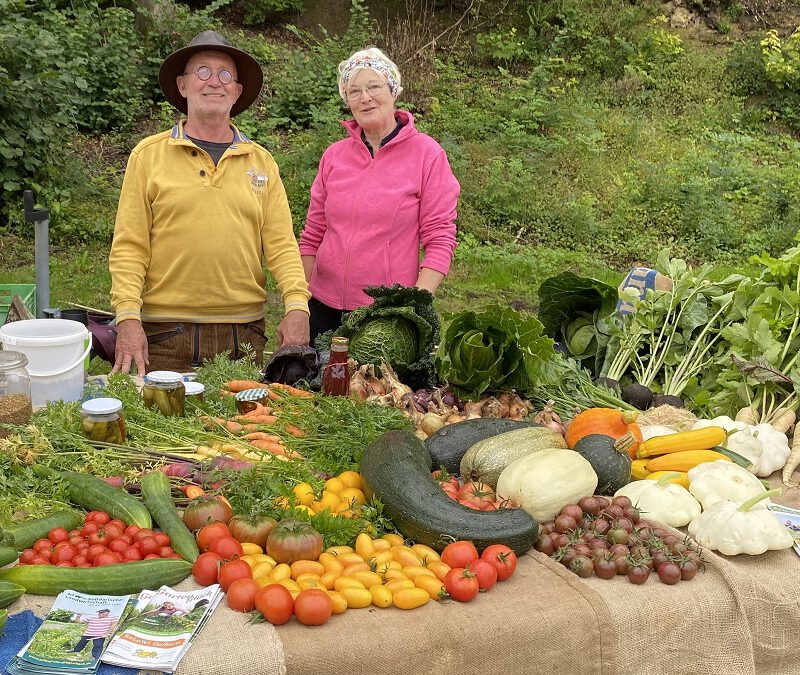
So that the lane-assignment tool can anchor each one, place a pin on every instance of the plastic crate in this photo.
(7, 292)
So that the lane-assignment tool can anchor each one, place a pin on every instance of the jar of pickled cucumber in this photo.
(164, 391)
(102, 419)
(195, 391)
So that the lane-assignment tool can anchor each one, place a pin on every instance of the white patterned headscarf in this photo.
(374, 59)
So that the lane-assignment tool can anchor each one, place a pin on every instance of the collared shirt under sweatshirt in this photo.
(190, 236)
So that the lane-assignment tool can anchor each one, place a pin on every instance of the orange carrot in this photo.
(295, 431)
(275, 448)
(233, 427)
(258, 410)
(292, 391)
(260, 419)
(240, 385)
(192, 491)
(251, 427)
(261, 436)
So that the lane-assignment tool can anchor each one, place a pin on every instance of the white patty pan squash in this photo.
(544, 481)
(714, 482)
(765, 446)
(732, 528)
(661, 500)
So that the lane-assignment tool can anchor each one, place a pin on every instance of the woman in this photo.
(380, 195)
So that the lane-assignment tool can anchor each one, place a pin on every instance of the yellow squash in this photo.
(697, 439)
(685, 460)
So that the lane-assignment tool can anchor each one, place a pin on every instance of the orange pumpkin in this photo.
(605, 421)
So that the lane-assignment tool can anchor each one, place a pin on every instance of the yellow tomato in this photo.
(290, 584)
(305, 509)
(331, 563)
(384, 557)
(357, 598)
(431, 585)
(308, 582)
(251, 549)
(305, 576)
(350, 559)
(329, 579)
(439, 569)
(304, 493)
(330, 500)
(381, 596)
(265, 580)
(381, 545)
(347, 582)
(335, 485)
(368, 578)
(353, 497)
(282, 571)
(412, 572)
(351, 479)
(338, 600)
(394, 539)
(263, 557)
(355, 567)
(299, 567)
(395, 585)
(410, 598)
(263, 569)
(426, 553)
(405, 556)
(338, 550)
(364, 546)
(393, 573)
(349, 513)
(250, 560)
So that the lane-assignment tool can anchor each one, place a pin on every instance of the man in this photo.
(199, 208)
(98, 628)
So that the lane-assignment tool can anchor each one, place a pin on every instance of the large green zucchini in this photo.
(8, 554)
(24, 534)
(9, 592)
(396, 468)
(119, 579)
(157, 498)
(448, 445)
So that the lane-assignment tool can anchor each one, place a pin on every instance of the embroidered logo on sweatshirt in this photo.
(258, 180)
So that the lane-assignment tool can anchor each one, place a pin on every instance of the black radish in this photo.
(637, 395)
(667, 399)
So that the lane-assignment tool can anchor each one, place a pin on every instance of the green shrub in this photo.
(257, 11)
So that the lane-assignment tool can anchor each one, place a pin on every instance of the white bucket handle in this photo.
(54, 373)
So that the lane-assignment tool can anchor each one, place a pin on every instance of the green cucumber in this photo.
(119, 579)
(9, 592)
(396, 469)
(733, 456)
(3, 617)
(158, 499)
(448, 445)
(8, 554)
(24, 534)
(95, 494)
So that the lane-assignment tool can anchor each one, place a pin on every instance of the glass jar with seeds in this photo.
(103, 420)
(15, 390)
(164, 391)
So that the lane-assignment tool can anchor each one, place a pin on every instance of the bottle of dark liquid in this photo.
(336, 378)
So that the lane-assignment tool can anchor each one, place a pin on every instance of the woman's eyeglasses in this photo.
(373, 90)
(204, 73)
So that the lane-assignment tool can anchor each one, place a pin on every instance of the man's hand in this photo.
(131, 347)
(294, 329)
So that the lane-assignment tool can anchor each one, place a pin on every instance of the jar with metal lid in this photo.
(164, 391)
(195, 391)
(15, 390)
(246, 400)
(102, 419)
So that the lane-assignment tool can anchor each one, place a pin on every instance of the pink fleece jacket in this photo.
(368, 217)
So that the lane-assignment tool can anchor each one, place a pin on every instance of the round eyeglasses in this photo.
(204, 73)
(373, 90)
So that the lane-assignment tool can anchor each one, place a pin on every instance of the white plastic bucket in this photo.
(56, 351)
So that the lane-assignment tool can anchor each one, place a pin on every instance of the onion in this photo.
(431, 423)
(548, 418)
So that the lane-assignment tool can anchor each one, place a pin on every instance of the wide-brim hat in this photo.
(249, 73)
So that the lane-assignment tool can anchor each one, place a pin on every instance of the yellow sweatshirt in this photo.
(190, 237)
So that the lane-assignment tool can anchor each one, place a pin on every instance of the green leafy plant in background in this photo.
(498, 348)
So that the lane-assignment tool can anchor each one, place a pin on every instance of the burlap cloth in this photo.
(738, 617)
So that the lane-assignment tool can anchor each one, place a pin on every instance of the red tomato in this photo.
(242, 595)
(89, 528)
(65, 563)
(95, 550)
(63, 552)
(113, 531)
(118, 546)
(459, 553)
(99, 517)
(293, 540)
(233, 570)
(126, 538)
(450, 489)
(57, 535)
(39, 560)
(485, 572)
(165, 551)
(107, 558)
(275, 603)
(118, 523)
(152, 556)
(210, 533)
(132, 554)
(83, 546)
(162, 539)
(461, 584)
(99, 537)
(42, 545)
(131, 530)
(227, 547)
(253, 529)
(75, 533)
(80, 560)
(148, 545)
(503, 558)
(313, 607)
(27, 555)
(143, 532)
(76, 540)
(206, 568)
(478, 495)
